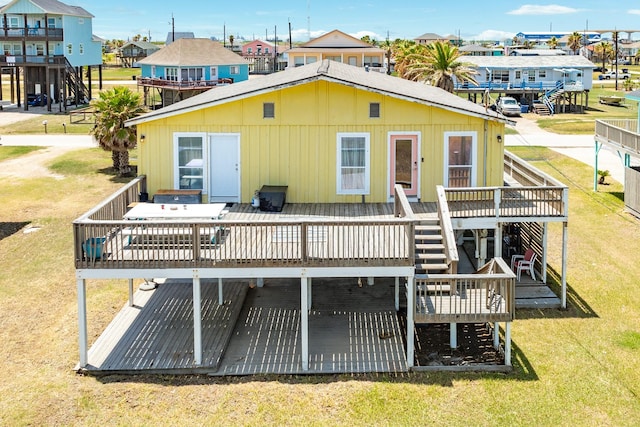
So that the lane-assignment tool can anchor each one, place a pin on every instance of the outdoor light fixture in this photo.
(143, 137)
(499, 137)
(44, 123)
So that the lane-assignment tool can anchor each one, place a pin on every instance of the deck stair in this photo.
(429, 250)
(78, 91)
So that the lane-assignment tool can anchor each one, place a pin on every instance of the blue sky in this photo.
(473, 20)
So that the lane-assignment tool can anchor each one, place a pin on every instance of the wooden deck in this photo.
(352, 329)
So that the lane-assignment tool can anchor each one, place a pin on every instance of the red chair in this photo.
(524, 262)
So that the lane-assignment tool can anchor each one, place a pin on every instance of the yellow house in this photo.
(340, 47)
(331, 132)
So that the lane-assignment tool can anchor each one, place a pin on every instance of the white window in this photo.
(51, 22)
(69, 49)
(542, 74)
(81, 49)
(39, 49)
(13, 22)
(171, 74)
(234, 69)
(189, 155)
(518, 74)
(311, 59)
(353, 165)
(249, 50)
(191, 74)
(460, 159)
(298, 61)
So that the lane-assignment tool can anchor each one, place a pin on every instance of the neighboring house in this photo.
(177, 35)
(339, 47)
(188, 67)
(537, 52)
(428, 38)
(478, 50)
(50, 42)
(380, 173)
(553, 80)
(261, 57)
(132, 52)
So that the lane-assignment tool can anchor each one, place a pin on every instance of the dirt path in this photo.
(33, 165)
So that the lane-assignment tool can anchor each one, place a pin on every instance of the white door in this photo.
(214, 74)
(224, 168)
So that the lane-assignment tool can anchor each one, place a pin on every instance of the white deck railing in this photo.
(621, 132)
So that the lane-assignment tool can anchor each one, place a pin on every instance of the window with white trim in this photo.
(171, 73)
(234, 69)
(191, 74)
(311, 59)
(189, 167)
(460, 159)
(353, 163)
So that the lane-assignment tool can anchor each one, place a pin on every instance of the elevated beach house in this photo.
(332, 199)
(549, 83)
(46, 45)
(187, 67)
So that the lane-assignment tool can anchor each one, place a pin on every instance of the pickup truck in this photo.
(624, 74)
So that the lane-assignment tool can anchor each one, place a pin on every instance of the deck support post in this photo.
(304, 323)
(397, 293)
(370, 281)
(220, 296)
(496, 335)
(453, 335)
(197, 321)
(545, 232)
(130, 292)
(260, 282)
(497, 241)
(565, 239)
(507, 343)
(411, 307)
(82, 322)
(309, 293)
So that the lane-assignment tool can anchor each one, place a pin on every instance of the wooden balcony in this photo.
(201, 85)
(31, 34)
(22, 60)
(622, 134)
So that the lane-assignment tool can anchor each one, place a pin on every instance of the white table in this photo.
(205, 211)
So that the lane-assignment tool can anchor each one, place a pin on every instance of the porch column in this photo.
(497, 241)
(545, 232)
(309, 293)
(304, 323)
(130, 292)
(82, 321)
(496, 335)
(220, 296)
(453, 335)
(397, 293)
(565, 239)
(507, 343)
(197, 321)
(411, 307)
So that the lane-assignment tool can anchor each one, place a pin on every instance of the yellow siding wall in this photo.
(298, 147)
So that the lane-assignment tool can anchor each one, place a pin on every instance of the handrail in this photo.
(623, 132)
(525, 174)
(483, 297)
(448, 235)
(401, 206)
(115, 206)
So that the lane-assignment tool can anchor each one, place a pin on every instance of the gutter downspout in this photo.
(485, 149)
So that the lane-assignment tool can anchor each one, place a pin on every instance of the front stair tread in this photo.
(424, 227)
(432, 267)
(431, 237)
(436, 256)
(430, 246)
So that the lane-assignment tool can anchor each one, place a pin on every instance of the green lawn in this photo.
(573, 367)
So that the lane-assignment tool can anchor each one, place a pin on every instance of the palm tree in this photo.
(113, 108)
(403, 51)
(574, 42)
(603, 51)
(553, 42)
(439, 65)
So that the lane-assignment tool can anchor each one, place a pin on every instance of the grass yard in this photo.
(575, 367)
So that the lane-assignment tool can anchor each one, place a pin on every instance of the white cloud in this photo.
(302, 35)
(549, 9)
(371, 34)
(492, 35)
(633, 11)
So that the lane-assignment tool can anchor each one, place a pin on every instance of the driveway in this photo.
(579, 147)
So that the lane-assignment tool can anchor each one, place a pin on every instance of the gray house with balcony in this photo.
(553, 84)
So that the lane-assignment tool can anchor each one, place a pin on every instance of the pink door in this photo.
(403, 158)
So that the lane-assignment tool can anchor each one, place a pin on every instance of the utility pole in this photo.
(173, 29)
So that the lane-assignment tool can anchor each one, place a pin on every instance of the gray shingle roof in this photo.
(329, 71)
(54, 6)
(193, 52)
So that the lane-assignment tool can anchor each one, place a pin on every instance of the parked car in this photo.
(624, 74)
(40, 99)
(508, 106)
(600, 70)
